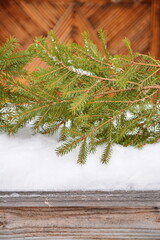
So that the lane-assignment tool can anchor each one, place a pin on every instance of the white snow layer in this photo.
(29, 163)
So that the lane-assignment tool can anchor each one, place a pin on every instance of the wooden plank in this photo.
(80, 215)
(98, 1)
(79, 223)
(81, 199)
(62, 26)
(155, 20)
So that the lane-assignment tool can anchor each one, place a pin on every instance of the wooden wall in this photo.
(137, 20)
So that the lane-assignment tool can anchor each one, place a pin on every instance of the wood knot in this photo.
(3, 224)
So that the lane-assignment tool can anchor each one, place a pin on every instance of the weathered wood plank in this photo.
(81, 199)
(80, 215)
(80, 223)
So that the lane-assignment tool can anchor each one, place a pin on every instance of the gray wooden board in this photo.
(80, 215)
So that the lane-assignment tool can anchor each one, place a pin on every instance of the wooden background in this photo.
(115, 215)
(138, 20)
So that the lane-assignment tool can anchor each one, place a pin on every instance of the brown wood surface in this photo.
(80, 215)
(155, 15)
(138, 20)
(69, 18)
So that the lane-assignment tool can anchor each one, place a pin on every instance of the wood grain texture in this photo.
(135, 19)
(69, 18)
(80, 215)
(81, 199)
(155, 16)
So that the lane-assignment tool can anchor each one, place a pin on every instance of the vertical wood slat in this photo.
(155, 20)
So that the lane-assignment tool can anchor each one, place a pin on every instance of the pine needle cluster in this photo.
(12, 64)
(91, 97)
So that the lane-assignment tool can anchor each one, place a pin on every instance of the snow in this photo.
(29, 163)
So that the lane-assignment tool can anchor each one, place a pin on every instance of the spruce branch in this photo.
(105, 99)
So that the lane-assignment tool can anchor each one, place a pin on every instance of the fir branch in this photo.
(106, 154)
(82, 86)
(82, 156)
